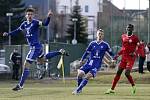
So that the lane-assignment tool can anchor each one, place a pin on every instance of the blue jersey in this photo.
(95, 53)
(32, 32)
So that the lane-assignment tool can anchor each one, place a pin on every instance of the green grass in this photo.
(56, 90)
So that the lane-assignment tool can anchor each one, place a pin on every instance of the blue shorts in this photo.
(34, 54)
(87, 68)
(91, 66)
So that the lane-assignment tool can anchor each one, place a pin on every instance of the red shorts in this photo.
(127, 62)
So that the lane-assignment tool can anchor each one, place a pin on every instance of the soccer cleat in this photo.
(75, 92)
(63, 52)
(110, 91)
(17, 88)
(133, 90)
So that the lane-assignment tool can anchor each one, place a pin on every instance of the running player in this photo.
(94, 55)
(128, 52)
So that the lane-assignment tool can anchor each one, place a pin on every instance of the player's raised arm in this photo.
(46, 22)
(50, 13)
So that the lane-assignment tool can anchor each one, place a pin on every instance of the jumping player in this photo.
(128, 52)
(94, 55)
(31, 26)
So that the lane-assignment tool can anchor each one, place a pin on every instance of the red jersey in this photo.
(141, 50)
(129, 44)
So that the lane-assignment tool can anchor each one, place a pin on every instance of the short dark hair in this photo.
(130, 26)
(30, 10)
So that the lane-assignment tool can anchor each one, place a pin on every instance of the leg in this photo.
(56, 53)
(116, 78)
(141, 63)
(50, 55)
(82, 84)
(32, 56)
(130, 79)
(143, 60)
(91, 73)
(84, 81)
(17, 73)
(13, 72)
(23, 77)
(80, 76)
(115, 81)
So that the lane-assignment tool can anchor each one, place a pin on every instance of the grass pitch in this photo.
(55, 89)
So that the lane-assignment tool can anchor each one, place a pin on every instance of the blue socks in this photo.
(52, 54)
(24, 76)
(83, 83)
(79, 80)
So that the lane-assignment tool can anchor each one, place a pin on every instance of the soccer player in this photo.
(31, 26)
(128, 52)
(94, 55)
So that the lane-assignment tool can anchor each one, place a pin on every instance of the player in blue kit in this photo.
(31, 26)
(94, 55)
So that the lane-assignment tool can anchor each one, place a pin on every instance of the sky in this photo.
(131, 4)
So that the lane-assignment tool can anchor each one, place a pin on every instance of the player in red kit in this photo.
(128, 52)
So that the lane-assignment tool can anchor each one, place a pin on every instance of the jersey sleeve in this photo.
(109, 50)
(44, 23)
(87, 52)
(20, 28)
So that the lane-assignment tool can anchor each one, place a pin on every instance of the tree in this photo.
(17, 8)
(81, 28)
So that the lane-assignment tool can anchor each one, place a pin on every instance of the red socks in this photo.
(116, 79)
(130, 79)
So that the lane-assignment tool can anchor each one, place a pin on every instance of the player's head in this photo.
(142, 41)
(29, 13)
(129, 29)
(100, 34)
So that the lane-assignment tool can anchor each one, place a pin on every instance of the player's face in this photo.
(29, 16)
(129, 30)
(100, 35)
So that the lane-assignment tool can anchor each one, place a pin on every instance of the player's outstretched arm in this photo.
(14, 32)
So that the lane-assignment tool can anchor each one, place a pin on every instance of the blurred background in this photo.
(73, 25)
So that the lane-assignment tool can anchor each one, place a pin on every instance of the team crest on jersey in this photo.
(102, 46)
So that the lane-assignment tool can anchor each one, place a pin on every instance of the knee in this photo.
(127, 73)
(26, 64)
(80, 73)
(119, 72)
(88, 76)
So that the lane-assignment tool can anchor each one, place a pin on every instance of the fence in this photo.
(75, 52)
